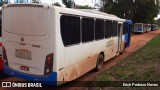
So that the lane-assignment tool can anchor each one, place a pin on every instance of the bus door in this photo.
(120, 32)
(129, 35)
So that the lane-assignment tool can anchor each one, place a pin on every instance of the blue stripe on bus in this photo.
(47, 80)
(126, 38)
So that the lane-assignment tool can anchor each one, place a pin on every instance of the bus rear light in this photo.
(49, 58)
(47, 70)
(48, 64)
(4, 58)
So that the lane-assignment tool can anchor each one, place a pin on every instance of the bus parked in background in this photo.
(139, 28)
(51, 44)
(154, 27)
(148, 27)
(145, 27)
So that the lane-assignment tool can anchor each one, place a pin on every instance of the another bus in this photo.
(154, 27)
(139, 28)
(50, 44)
(148, 27)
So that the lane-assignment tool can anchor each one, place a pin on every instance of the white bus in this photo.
(140, 28)
(49, 43)
(148, 27)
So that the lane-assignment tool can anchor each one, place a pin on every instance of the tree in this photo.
(57, 4)
(139, 11)
(83, 7)
(2, 3)
(146, 11)
(68, 3)
(157, 22)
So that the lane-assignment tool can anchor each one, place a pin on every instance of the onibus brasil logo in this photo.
(20, 84)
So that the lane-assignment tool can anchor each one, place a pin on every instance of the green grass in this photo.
(143, 65)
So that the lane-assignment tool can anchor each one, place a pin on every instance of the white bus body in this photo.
(32, 37)
(148, 27)
(139, 27)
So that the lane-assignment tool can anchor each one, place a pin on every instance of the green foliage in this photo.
(57, 4)
(139, 11)
(68, 3)
(2, 3)
(146, 10)
(83, 7)
(157, 22)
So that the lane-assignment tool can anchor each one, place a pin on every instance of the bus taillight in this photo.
(5, 60)
(48, 64)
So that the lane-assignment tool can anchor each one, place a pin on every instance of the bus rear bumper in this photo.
(138, 31)
(50, 80)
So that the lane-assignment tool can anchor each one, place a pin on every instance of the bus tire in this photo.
(121, 53)
(100, 61)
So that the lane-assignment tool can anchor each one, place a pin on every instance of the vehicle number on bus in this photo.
(23, 54)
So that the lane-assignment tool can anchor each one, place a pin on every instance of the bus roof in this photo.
(77, 12)
(88, 13)
(96, 12)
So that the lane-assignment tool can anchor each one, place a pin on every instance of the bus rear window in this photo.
(138, 25)
(26, 21)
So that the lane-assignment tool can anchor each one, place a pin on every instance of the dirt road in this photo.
(137, 41)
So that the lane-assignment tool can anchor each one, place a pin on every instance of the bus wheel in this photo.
(100, 61)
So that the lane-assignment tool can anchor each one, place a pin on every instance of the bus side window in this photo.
(99, 29)
(115, 26)
(108, 29)
(70, 30)
(87, 29)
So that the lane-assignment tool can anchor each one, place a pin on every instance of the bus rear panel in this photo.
(138, 28)
(27, 42)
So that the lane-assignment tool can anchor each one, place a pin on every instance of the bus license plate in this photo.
(23, 54)
(24, 68)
